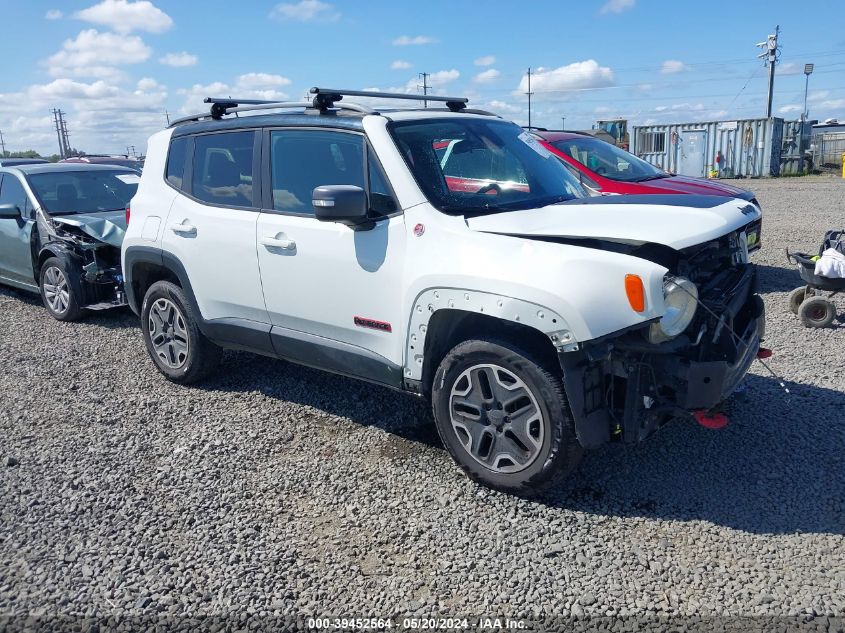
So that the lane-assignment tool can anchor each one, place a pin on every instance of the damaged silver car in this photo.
(61, 228)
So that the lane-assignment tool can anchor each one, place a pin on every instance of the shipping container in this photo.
(748, 148)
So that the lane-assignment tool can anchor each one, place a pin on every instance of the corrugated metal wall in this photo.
(748, 147)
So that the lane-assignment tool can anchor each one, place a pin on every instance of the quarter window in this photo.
(12, 192)
(222, 168)
(176, 161)
(301, 160)
(381, 198)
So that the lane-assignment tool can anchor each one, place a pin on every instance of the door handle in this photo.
(183, 229)
(272, 242)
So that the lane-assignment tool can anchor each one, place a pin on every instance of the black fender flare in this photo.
(134, 255)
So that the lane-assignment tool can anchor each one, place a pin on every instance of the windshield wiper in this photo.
(653, 177)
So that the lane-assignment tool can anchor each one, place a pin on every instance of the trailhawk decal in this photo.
(382, 326)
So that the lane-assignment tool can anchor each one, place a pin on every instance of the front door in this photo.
(332, 293)
(211, 227)
(16, 235)
(693, 147)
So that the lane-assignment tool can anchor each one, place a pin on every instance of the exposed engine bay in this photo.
(91, 243)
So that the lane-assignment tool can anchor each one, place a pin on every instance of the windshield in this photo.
(90, 191)
(608, 160)
(469, 166)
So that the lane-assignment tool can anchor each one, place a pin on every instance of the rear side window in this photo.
(222, 168)
(301, 160)
(176, 161)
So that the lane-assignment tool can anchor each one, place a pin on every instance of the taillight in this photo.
(127, 215)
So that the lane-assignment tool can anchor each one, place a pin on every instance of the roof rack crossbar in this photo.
(325, 96)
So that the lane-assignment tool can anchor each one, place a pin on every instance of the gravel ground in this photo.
(278, 490)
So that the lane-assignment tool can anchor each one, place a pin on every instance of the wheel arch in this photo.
(444, 317)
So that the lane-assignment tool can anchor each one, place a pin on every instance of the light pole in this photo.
(808, 70)
(563, 123)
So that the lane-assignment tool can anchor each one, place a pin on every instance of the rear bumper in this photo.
(624, 388)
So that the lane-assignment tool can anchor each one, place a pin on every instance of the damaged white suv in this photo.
(442, 252)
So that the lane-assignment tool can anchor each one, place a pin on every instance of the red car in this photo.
(610, 169)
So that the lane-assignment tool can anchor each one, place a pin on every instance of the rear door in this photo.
(16, 234)
(211, 226)
(327, 286)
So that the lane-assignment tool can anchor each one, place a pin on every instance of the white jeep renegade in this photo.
(442, 252)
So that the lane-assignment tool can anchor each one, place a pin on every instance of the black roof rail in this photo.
(326, 97)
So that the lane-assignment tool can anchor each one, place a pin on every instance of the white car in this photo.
(538, 322)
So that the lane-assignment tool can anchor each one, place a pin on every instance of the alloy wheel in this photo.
(497, 418)
(56, 290)
(168, 334)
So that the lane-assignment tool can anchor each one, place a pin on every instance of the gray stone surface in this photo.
(275, 490)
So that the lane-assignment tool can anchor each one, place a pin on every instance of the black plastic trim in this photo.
(335, 356)
(132, 256)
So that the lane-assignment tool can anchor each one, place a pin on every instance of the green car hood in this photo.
(108, 227)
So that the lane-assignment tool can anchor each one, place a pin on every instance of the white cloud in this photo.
(503, 106)
(147, 83)
(487, 60)
(487, 76)
(833, 103)
(124, 16)
(305, 11)
(400, 65)
(443, 77)
(258, 81)
(94, 54)
(792, 107)
(179, 60)
(248, 86)
(417, 40)
(69, 89)
(717, 114)
(617, 6)
(673, 66)
(790, 68)
(817, 95)
(53, 14)
(602, 110)
(577, 76)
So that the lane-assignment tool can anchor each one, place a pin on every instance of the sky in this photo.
(119, 67)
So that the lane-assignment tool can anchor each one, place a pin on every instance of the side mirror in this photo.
(10, 212)
(346, 204)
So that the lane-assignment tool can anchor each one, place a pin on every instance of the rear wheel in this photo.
(60, 290)
(817, 312)
(174, 341)
(503, 416)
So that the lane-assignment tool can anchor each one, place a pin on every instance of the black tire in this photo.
(60, 285)
(797, 297)
(817, 312)
(556, 450)
(196, 357)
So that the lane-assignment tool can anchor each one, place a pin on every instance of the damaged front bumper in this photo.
(623, 388)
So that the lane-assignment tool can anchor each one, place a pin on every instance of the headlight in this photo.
(680, 296)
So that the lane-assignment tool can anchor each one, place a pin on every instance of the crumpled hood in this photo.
(108, 227)
(677, 221)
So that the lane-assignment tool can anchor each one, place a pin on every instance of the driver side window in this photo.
(12, 192)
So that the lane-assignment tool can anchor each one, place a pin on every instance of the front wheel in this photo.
(174, 341)
(60, 290)
(503, 416)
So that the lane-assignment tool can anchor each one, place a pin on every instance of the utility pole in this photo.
(770, 54)
(2, 144)
(529, 93)
(425, 87)
(167, 115)
(59, 132)
(65, 134)
(563, 123)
